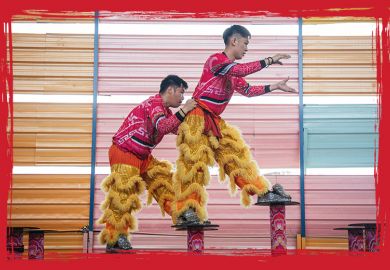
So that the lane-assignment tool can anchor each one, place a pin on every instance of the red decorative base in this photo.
(36, 248)
(278, 224)
(15, 240)
(371, 235)
(278, 229)
(195, 240)
(372, 240)
(195, 235)
(355, 240)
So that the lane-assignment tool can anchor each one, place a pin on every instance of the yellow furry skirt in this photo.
(128, 179)
(198, 151)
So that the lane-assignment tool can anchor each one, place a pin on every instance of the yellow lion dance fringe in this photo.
(235, 160)
(192, 173)
(122, 186)
(198, 151)
(161, 187)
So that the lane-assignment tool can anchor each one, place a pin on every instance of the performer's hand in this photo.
(276, 58)
(283, 86)
(189, 106)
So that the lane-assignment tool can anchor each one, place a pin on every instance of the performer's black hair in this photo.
(172, 80)
(235, 29)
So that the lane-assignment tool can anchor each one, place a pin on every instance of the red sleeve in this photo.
(221, 65)
(175, 130)
(163, 123)
(242, 87)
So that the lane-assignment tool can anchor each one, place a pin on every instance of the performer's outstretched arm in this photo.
(241, 70)
(247, 90)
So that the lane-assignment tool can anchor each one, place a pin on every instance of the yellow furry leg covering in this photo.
(192, 174)
(158, 178)
(235, 160)
(122, 188)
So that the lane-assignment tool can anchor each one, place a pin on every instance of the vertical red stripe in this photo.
(382, 184)
(5, 140)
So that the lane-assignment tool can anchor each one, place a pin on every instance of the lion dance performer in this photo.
(204, 137)
(133, 168)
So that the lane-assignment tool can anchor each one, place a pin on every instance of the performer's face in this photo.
(176, 96)
(240, 46)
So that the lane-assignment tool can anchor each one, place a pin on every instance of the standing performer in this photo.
(133, 167)
(204, 137)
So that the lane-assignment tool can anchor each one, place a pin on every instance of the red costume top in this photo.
(221, 77)
(145, 126)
